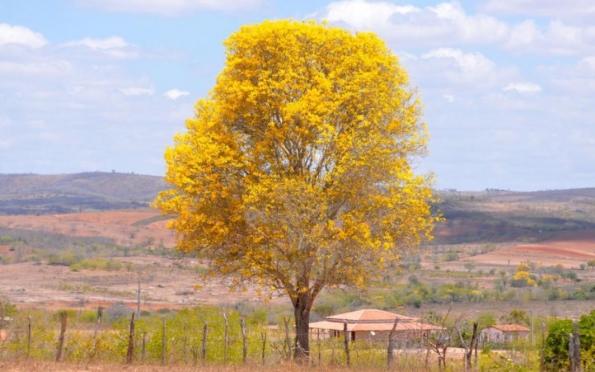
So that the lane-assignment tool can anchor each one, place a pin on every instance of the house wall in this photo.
(492, 335)
(496, 335)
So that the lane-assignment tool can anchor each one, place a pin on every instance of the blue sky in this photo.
(508, 85)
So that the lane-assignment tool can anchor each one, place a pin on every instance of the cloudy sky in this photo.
(508, 85)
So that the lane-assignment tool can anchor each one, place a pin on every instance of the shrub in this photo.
(116, 311)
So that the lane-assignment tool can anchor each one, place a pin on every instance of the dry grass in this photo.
(24, 366)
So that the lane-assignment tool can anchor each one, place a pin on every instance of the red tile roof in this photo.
(370, 315)
(510, 328)
(372, 320)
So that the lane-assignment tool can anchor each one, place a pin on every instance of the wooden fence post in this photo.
(130, 353)
(346, 336)
(204, 343)
(575, 350)
(244, 342)
(263, 336)
(28, 336)
(63, 321)
(476, 363)
(472, 346)
(391, 344)
(163, 343)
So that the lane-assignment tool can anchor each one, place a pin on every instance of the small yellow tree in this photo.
(522, 277)
(296, 172)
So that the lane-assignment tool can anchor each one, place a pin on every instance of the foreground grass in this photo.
(29, 366)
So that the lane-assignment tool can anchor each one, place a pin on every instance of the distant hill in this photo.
(471, 217)
(498, 215)
(66, 193)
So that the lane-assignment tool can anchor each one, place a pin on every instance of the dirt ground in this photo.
(167, 282)
(119, 225)
(569, 249)
(163, 285)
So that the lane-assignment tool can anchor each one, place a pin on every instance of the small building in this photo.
(372, 324)
(502, 333)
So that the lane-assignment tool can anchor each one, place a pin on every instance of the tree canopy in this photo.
(297, 171)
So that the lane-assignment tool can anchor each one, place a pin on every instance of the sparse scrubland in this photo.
(505, 279)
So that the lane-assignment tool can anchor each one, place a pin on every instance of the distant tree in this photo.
(296, 172)
(517, 316)
(469, 266)
(522, 277)
(485, 320)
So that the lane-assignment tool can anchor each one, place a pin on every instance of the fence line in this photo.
(227, 339)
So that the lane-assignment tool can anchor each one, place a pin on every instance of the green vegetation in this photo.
(150, 220)
(88, 341)
(76, 252)
(556, 344)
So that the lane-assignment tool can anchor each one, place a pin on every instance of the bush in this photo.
(556, 343)
(65, 259)
(116, 311)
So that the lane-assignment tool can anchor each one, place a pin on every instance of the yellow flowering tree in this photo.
(522, 277)
(295, 173)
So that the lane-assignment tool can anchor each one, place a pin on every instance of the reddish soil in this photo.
(165, 282)
(569, 249)
(118, 225)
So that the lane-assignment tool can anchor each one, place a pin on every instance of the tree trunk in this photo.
(301, 309)
(469, 352)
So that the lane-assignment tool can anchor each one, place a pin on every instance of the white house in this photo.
(504, 333)
(372, 324)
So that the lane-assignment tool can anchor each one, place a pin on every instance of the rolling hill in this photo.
(67, 193)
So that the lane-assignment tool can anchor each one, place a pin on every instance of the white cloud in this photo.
(523, 87)
(114, 46)
(361, 14)
(100, 44)
(174, 94)
(557, 38)
(20, 35)
(409, 25)
(50, 67)
(137, 91)
(448, 23)
(168, 7)
(448, 97)
(553, 8)
(470, 67)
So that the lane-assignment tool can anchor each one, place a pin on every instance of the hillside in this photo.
(91, 236)
(66, 193)
(505, 216)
